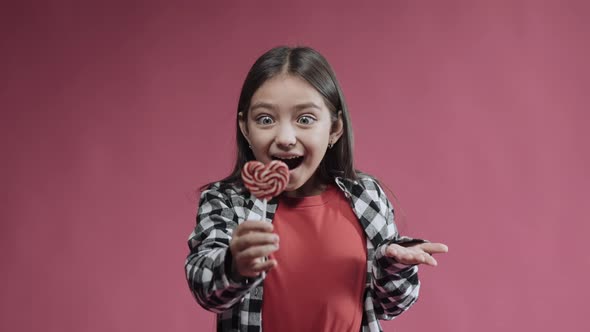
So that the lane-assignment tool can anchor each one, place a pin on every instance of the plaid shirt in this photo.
(391, 287)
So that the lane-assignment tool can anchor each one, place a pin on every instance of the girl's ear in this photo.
(243, 126)
(337, 129)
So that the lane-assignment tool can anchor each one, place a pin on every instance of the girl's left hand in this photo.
(416, 254)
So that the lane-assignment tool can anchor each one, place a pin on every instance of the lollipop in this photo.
(265, 181)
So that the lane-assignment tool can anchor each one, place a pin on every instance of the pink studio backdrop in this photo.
(473, 113)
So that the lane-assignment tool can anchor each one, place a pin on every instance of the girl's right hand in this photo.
(252, 241)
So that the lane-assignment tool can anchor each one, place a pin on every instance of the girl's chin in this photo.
(292, 187)
(297, 184)
(294, 184)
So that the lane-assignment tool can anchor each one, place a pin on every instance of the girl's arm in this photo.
(399, 259)
(208, 265)
(395, 286)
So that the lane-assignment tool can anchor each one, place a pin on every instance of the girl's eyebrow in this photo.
(272, 107)
(262, 104)
(307, 105)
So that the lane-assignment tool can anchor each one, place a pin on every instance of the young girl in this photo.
(335, 259)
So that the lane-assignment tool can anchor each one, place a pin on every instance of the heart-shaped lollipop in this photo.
(265, 181)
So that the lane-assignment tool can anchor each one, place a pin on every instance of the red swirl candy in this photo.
(265, 181)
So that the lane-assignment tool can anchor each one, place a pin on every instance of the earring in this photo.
(330, 145)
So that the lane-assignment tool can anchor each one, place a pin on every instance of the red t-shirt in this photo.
(319, 282)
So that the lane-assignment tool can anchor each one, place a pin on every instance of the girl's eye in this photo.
(306, 120)
(264, 120)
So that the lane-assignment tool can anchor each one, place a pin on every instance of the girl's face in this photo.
(288, 120)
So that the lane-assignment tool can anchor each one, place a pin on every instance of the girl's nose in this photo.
(286, 137)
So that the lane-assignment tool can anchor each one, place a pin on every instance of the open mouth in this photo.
(292, 162)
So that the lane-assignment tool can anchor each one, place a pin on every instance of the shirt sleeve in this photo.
(395, 285)
(208, 265)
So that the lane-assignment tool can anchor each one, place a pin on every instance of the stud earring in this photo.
(330, 145)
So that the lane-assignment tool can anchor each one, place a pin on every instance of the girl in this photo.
(335, 259)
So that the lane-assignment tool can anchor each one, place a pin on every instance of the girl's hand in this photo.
(252, 241)
(416, 254)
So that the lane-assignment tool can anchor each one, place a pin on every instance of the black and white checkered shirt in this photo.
(391, 287)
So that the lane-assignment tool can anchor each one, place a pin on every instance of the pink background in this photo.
(474, 113)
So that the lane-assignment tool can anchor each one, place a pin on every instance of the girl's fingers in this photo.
(253, 225)
(254, 239)
(258, 267)
(256, 252)
(412, 255)
(265, 266)
(429, 260)
(419, 258)
(434, 248)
